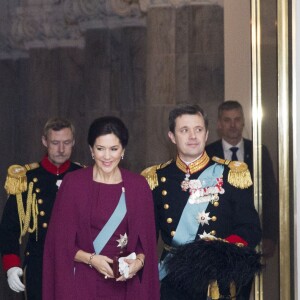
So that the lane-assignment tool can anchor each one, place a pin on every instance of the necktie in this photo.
(234, 150)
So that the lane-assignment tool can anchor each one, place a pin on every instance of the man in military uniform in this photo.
(198, 197)
(32, 189)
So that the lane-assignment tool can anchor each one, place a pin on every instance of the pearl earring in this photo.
(122, 156)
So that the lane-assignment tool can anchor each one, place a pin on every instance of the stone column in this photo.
(185, 63)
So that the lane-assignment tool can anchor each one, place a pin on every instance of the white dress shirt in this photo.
(228, 153)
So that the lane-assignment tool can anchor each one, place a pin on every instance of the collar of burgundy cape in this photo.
(51, 168)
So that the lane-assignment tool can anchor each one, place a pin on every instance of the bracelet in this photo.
(140, 261)
(90, 260)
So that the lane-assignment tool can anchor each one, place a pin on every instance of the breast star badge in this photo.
(206, 236)
(203, 218)
(122, 241)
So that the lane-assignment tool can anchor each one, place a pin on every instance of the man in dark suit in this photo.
(231, 123)
(232, 146)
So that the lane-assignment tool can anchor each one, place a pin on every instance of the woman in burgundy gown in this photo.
(100, 212)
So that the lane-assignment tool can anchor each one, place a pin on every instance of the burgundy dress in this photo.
(103, 207)
(81, 209)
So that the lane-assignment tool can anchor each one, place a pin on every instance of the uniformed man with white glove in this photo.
(13, 279)
(31, 193)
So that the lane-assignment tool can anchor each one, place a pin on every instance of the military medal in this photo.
(203, 218)
(200, 194)
(191, 168)
(185, 182)
(206, 236)
(122, 243)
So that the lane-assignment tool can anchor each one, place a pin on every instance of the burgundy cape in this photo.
(70, 231)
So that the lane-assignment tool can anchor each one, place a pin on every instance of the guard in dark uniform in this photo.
(197, 197)
(32, 190)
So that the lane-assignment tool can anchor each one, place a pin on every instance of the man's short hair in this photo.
(57, 124)
(229, 105)
(186, 109)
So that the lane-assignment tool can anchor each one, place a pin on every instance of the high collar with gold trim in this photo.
(51, 168)
(195, 166)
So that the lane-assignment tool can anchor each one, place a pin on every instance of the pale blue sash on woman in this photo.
(188, 226)
(111, 225)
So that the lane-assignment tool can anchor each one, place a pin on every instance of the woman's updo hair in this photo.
(106, 125)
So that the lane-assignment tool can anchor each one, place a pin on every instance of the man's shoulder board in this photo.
(239, 175)
(151, 175)
(16, 180)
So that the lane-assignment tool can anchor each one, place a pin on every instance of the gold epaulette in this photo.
(239, 174)
(16, 180)
(151, 175)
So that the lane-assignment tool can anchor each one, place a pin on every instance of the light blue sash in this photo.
(111, 225)
(188, 226)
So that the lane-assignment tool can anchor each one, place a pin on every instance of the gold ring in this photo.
(105, 276)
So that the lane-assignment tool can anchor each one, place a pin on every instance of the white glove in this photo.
(13, 279)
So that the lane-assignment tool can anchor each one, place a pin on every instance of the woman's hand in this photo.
(99, 262)
(102, 264)
(134, 266)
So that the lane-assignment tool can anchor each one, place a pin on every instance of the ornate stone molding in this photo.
(61, 23)
(6, 50)
(145, 4)
(43, 26)
(55, 23)
(103, 13)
